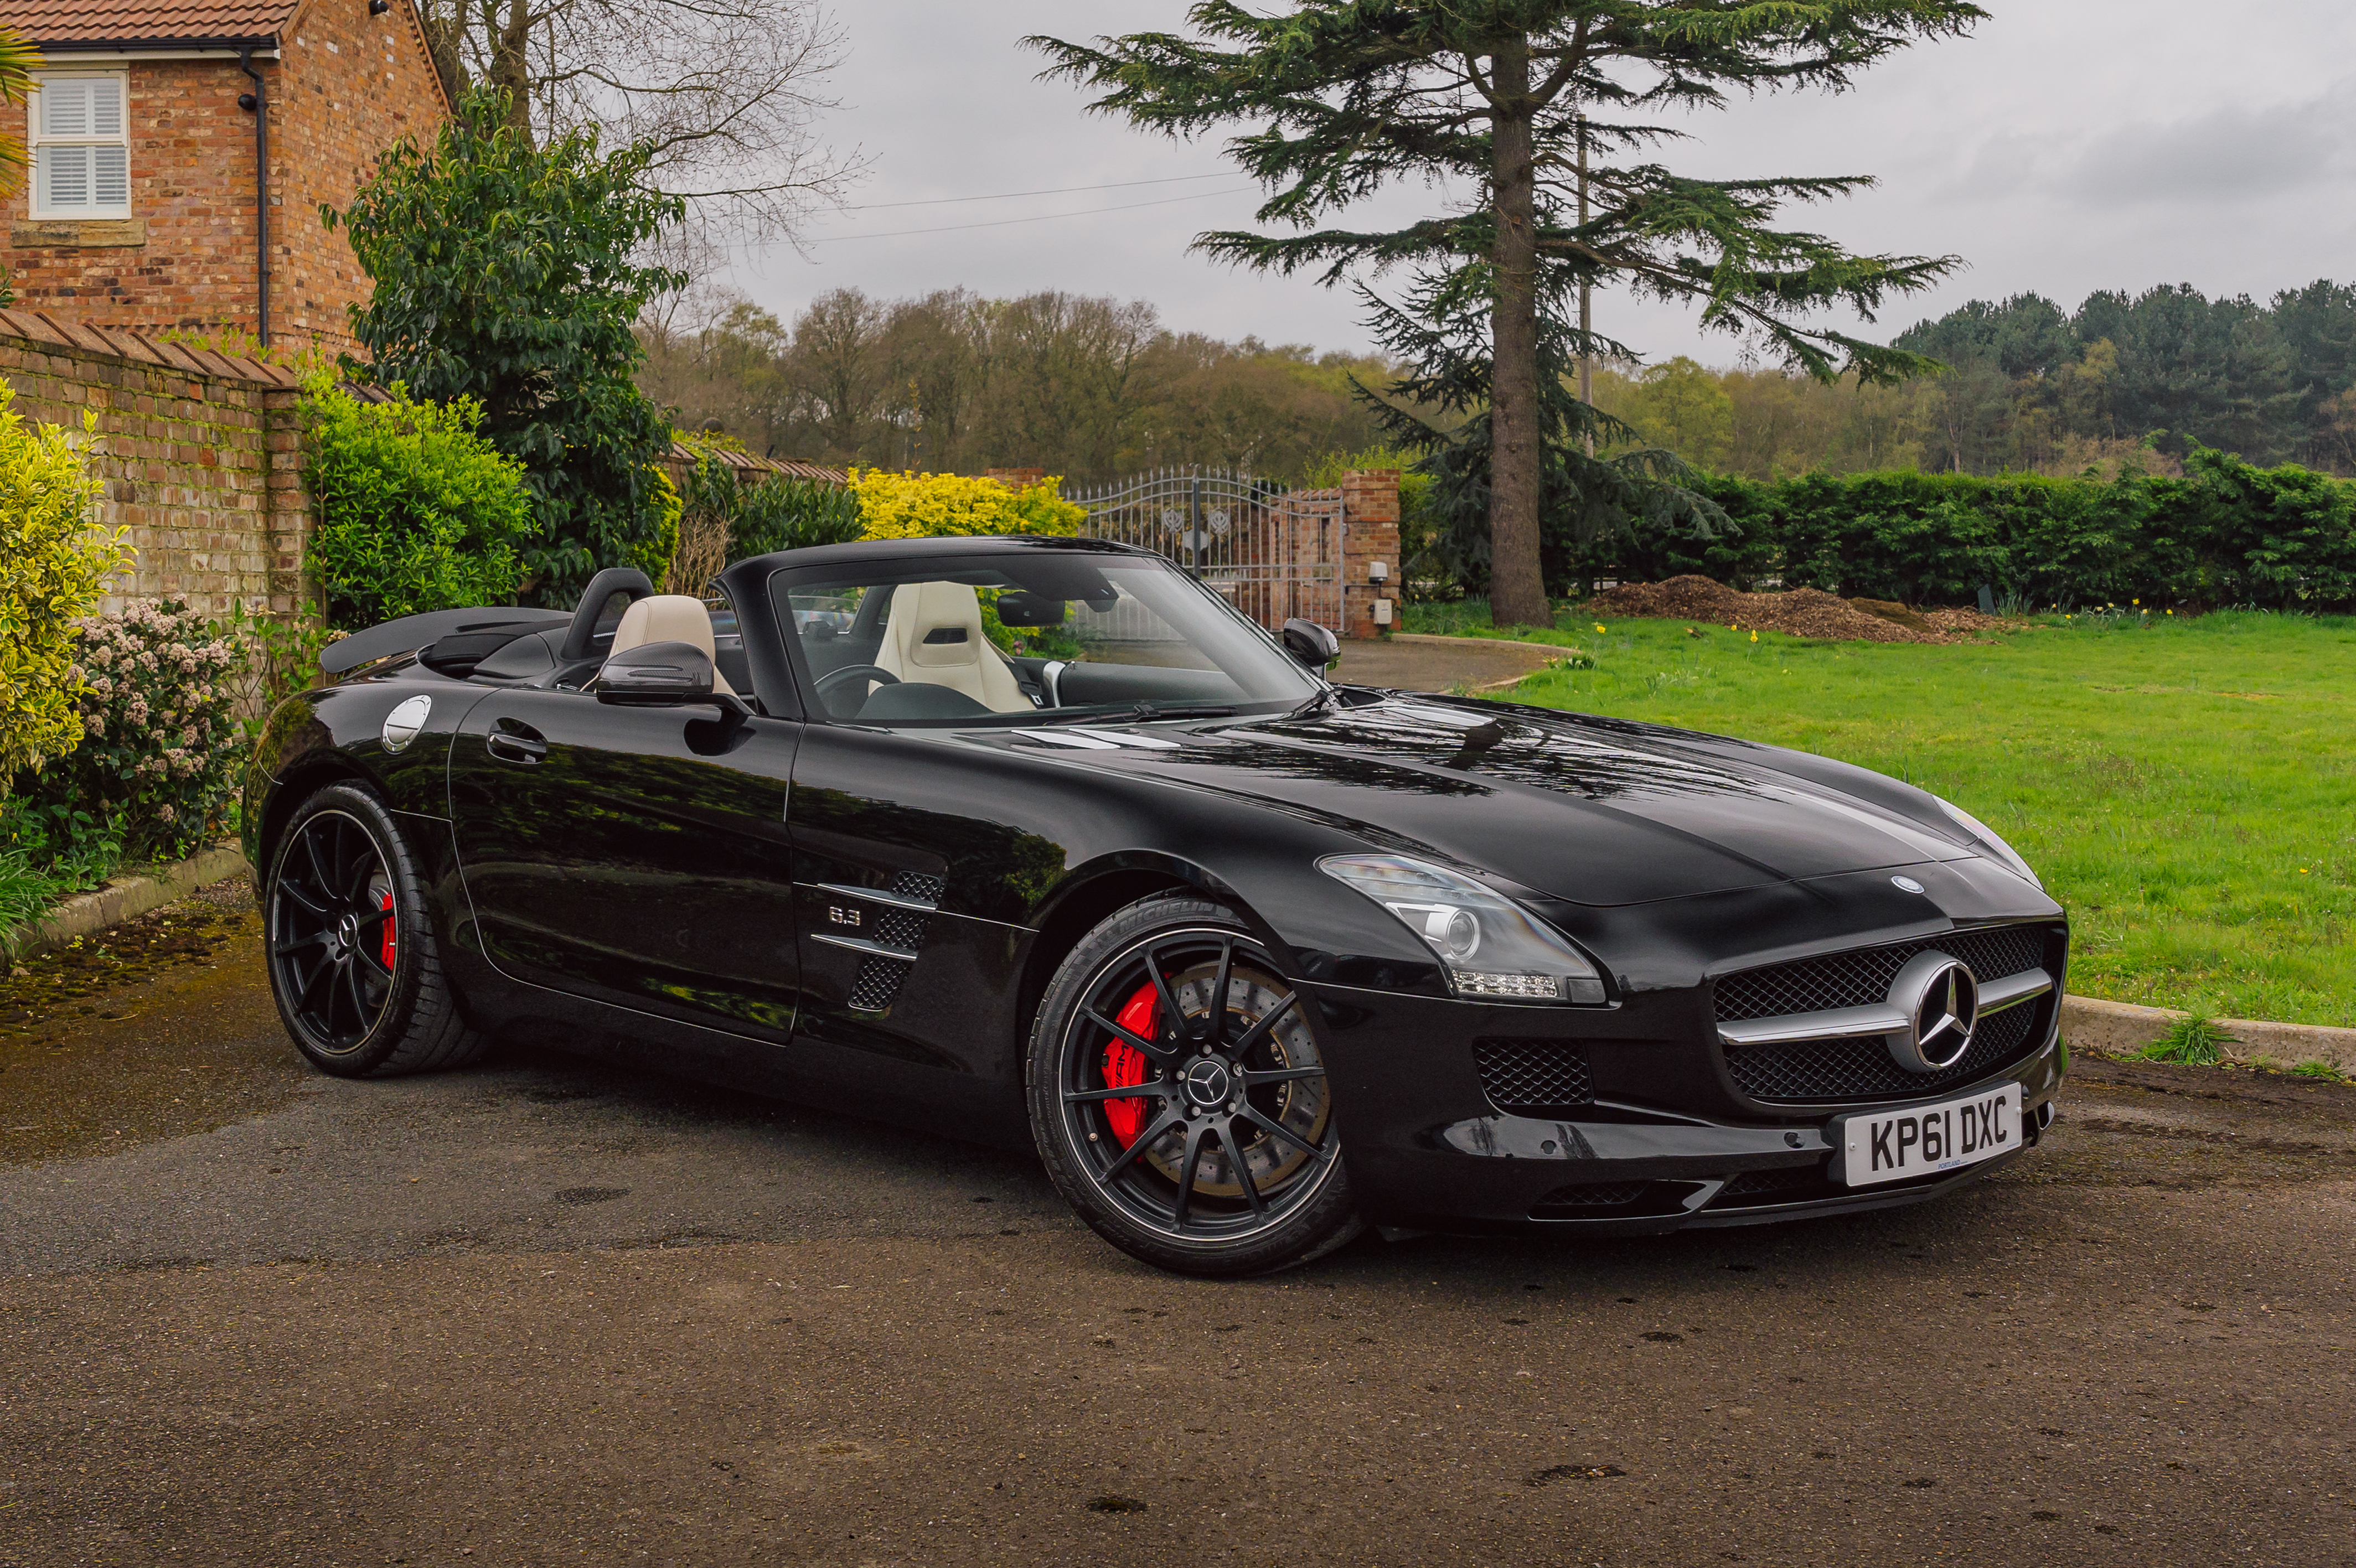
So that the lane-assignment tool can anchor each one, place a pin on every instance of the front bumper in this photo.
(1427, 1151)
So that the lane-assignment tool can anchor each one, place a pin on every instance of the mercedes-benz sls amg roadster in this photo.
(1044, 839)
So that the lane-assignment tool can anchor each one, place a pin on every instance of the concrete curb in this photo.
(2123, 1029)
(127, 897)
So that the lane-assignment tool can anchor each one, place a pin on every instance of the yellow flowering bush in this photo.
(923, 506)
(53, 566)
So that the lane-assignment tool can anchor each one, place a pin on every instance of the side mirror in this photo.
(1311, 643)
(656, 675)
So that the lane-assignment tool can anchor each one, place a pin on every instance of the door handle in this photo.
(510, 741)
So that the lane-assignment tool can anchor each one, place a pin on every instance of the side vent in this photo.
(897, 920)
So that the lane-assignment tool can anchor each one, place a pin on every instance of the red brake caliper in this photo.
(388, 932)
(1125, 1066)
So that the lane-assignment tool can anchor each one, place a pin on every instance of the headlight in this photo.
(1988, 836)
(1489, 945)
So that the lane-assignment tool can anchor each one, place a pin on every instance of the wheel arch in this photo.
(1086, 898)
(309, 774)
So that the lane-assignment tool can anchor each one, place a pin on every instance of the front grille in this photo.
(1785, 1184)
(1533, 1077)
(1860, 979)
(1593, 1195)
(1785, 1178)
(1825, 1072)
(879, 981)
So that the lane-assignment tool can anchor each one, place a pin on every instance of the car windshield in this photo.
(1018, 639)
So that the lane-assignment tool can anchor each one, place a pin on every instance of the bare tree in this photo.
(728, 93)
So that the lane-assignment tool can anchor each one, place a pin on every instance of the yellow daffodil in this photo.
(1754, 636)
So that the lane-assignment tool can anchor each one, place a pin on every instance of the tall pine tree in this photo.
(1343, 98)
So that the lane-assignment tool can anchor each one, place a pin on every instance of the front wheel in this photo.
(1179, 1097)
(354, 967)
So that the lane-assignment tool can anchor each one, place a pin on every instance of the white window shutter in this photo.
(105, 106)
(110, 178)
(65, 178)
(65, 108)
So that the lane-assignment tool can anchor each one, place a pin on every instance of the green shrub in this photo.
(416, 510)
(53, 567)
(159, 754)
(785, 513)
(2225, 533)
(920, 506)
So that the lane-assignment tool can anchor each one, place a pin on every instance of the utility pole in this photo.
(1586, 305)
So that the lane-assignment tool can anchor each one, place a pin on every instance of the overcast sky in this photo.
(2068, 146)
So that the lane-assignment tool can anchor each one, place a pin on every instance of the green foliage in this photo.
(508, 274)
(2224, 533)
(24, 893)
(416, 511)
(772, 511)
(2320, 1069)
(924, 505)
(2181, 783)
(160, 755)
(278, 656)
(2193, 1041)
(53, 567)
(2270, 382)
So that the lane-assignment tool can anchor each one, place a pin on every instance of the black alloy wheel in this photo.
(354, 967)
(1179, 1096)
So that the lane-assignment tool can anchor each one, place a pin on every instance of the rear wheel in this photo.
(353, 963)
(1179, 1097)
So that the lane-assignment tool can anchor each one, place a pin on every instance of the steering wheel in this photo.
(835, 680)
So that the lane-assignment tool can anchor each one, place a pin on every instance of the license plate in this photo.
(1890, 1145)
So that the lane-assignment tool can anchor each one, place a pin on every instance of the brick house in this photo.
(147, 124)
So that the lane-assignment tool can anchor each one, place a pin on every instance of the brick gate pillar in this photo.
(1370, 533)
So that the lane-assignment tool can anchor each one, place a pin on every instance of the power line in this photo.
(1041, 218)
(1060, 190)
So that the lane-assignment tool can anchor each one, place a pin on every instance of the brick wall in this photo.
(1370, 533)
(347, 86)
(200, 455)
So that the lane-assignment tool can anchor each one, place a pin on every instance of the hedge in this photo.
(2226, 533)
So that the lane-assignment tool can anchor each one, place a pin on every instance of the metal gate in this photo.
(1271, 553)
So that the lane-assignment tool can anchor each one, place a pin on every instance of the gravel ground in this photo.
(550, 1312)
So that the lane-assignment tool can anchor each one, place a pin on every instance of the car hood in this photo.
(1591, 811)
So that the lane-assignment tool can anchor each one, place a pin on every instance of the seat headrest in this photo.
(943, 629)
(667, 618)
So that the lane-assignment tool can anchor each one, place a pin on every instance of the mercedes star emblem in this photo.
(1941, 998)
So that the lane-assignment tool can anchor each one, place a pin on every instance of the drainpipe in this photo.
(260, 106)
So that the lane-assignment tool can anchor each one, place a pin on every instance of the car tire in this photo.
(344, 894)
(1226, 1161)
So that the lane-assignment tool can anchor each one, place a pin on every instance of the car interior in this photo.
(968, 645)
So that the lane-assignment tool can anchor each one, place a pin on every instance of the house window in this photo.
(82, 158)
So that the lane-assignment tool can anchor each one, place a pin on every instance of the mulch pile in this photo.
(1801, 612)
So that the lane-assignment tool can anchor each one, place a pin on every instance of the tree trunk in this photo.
(1516, 580)
(510, 66)
(446, 33)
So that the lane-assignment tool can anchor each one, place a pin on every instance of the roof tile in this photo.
(159, 21)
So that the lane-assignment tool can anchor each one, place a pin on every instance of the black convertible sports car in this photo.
(1041, 836)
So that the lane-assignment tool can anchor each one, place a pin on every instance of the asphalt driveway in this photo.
(551, 1312)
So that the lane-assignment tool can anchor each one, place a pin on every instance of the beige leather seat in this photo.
(934, 635)
(669, 618)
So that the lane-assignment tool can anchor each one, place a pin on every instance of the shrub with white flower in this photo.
(159, 748)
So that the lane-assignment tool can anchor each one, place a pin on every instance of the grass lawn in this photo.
(2187, 789)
